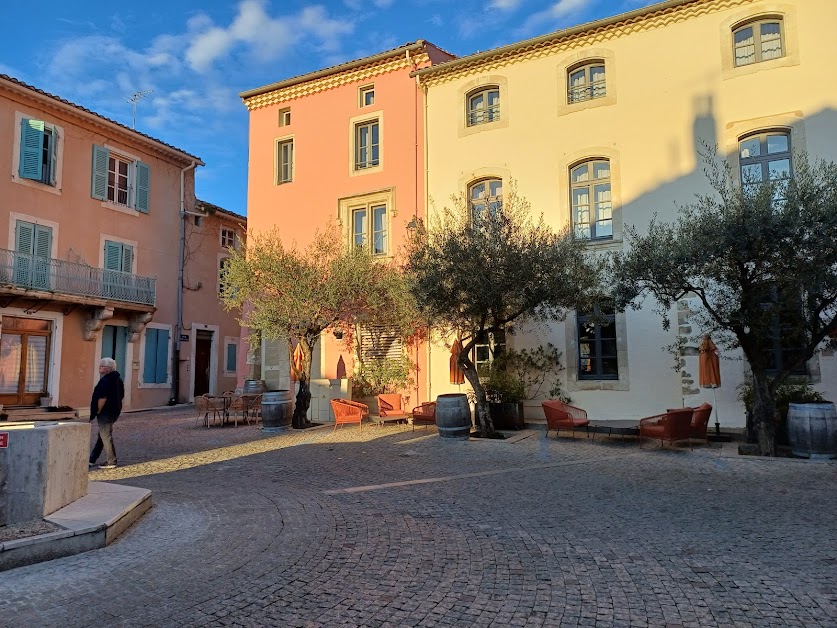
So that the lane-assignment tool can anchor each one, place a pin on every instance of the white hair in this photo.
(108, 362)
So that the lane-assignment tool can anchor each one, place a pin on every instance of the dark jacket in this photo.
(112, 390)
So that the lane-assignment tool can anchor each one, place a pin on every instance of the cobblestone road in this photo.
(393, 528)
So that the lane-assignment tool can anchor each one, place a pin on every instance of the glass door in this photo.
(24, 361)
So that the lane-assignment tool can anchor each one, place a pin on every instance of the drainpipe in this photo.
(175, 371)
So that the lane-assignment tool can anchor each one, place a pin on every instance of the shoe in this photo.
(91, 465)
(107, 466)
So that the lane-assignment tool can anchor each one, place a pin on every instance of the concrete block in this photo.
(43, 469)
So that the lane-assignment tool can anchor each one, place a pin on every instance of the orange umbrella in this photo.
(710, 368)
(456, 374)
(296, 362)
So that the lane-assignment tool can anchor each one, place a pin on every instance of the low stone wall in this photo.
(43, 468)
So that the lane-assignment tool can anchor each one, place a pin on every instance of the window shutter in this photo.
(43, 241)
(25, 237)
(31, 144)
(127, 258)
(143, 185)
(113, 255)
(53, 159)
(162, 356)
(231, 353)
(149, 370)
(379, 342)
(99, 179)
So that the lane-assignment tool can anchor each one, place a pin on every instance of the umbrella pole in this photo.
(717, 424)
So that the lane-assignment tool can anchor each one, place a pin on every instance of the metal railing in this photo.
(581, 93)
(484, 115)
(22, 270)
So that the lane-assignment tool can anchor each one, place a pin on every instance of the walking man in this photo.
(105, 406)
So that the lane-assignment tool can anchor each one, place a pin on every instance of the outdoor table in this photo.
(220, 407)
(621, 427)
(389, 418)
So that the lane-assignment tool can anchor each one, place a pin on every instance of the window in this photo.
(489, 346)
(119, 180)
(156, 356)
(118, 260)
(586, 82)
(230, 356)
(485, 195)
(597, 357)
(38, 142)
(484, 105)
(227, 238)
(285, 116)
(366, 95)
(198, 220)
(284, 161)
(758, 41)
(766, 157)
(222, 274)
(367, 145)
(787, 339)
(591, 202)
(33, 250)
(369, 224)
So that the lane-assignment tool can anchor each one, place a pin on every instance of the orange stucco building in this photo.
(92, 214)
(341, 145)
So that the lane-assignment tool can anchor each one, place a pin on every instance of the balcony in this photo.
(31, 276)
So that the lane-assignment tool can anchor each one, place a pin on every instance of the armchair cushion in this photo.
(390, 405)
(700, 419)
(346, 411)
(671, 426)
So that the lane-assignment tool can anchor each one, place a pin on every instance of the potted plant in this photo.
(791, 391)
(377, 376)
(46, 400)
(505, 392)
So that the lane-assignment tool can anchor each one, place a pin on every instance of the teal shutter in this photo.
(41, 264)
(127, 258)
(162, 356)
(31, 145)
(149, 371)
(25, 246)
(53, 159)
(113, 255)
(43, 241)
(99, 178)
(107, 341)
(231, 353)
(121, 349)
(143, 186)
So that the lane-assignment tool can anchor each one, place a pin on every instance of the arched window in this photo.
(484, 105)
(591, 201)
(483, 195)
(586, 82)
(765, 156)
(758, 41)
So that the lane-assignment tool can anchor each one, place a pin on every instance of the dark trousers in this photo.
(105, 440)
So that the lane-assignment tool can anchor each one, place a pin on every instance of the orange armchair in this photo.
(425, 413)
(671, 426)
(563, 416)
(346, 411)
(391, 405)
(700, 420)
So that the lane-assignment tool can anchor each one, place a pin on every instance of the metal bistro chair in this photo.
(236, 404)
(204, 404)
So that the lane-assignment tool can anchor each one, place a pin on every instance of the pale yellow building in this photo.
(601, 126)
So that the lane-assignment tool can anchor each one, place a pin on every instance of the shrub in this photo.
(378, 376)
(792, 391)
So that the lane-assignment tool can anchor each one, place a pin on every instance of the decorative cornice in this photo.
(652, 18)
(338, 79)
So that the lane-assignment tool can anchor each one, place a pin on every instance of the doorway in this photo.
(114, 345)
(24, 360)
(203, 361)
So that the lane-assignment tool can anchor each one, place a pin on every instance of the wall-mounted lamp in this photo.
(415, 223)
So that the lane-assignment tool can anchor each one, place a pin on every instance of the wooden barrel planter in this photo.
(453, 416)
(277, 410)
(254, 387)
(812, 430)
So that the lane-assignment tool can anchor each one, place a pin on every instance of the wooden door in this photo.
(24, 360)
(203, 361)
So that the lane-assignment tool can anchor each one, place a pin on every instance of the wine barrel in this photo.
(812, 430)
(277, 410)
(453, 416)
(254, 387)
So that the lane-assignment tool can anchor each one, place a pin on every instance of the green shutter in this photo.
(107, 341)
(99, 178)
(31, 144)
(127, 258)
(143, 186)
(121, 349)
(41, 264)
(53, 159)
(25, 237)
(113, 255)
(231, 352)
(162, 356)
(43, 241)
(149, 371)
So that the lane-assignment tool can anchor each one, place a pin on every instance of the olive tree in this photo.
(762, 260)
(292, 293)
(475, 269)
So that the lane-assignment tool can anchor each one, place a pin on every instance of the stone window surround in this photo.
(792, 123)
(59, 155)
(580, 58)
(277, 142)
(346, 205)
(366, 116)
(141, 365)
(574, 384)
(502, 83)
(790, 41)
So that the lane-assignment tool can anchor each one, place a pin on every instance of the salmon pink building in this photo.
(341, 145)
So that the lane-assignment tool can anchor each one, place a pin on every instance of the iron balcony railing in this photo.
(32, 272)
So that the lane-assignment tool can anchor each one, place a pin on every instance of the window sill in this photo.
(359, 172)
(743, 70)
(123, 209)
(565, 108)
(466, 130)
(38, 185)
(153, 386)
(604, 243)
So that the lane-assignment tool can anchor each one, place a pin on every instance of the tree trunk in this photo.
(765, 415)
(484, 423)
(303, 396)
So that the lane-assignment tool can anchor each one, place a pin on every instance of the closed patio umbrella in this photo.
(709, 372)
(456, 375)
(296, 362)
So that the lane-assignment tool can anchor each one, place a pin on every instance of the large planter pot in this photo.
(506, 416)
(812, 430)
(277, 410)
(453, 416)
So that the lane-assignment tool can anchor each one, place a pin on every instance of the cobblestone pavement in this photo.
(387, 527)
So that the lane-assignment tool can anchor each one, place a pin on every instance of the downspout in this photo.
(181, 261)
(427, 218)
(416, 186)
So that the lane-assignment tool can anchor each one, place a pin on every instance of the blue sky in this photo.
(197, 56)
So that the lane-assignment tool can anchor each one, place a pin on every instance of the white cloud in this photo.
(504, 5)
(264, 36)
(554, 14)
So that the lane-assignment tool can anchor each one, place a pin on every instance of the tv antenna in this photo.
(133, 100)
